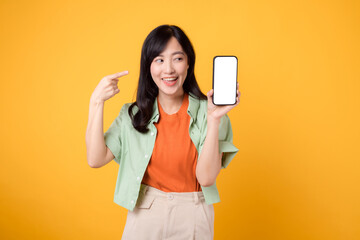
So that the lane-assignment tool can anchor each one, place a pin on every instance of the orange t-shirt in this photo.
(172, 167)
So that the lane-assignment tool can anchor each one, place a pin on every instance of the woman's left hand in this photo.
(216, 112)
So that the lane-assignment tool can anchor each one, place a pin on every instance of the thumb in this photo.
(209, 94)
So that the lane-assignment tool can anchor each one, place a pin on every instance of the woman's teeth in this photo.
(169, 79)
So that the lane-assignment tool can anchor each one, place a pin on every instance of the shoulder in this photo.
(197, 106)
(202, 113)
(203, 103)
(123, 115)
(125, 107)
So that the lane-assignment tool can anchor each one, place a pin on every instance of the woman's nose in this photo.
(169, 68)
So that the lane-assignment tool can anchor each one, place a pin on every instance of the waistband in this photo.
(194, 197)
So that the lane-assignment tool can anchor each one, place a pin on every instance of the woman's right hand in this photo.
(107, 87)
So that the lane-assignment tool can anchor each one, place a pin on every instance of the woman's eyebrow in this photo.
(174, 53)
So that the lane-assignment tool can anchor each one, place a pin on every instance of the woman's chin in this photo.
(172, 93)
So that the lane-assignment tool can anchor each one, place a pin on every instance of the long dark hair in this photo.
(147, 90)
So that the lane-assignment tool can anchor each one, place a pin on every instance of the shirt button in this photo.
(146, 156)
(152, 133)
(170, 197)
(138, 178)
(132, 201)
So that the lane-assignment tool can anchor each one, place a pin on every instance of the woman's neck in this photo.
(171, 104)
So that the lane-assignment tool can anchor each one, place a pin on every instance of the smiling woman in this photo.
(169, 143)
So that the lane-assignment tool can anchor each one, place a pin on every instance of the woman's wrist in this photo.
(212, 121)
(96, 101)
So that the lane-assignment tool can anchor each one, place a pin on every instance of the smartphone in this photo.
(224, 80)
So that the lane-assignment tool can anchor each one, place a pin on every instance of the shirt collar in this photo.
(192, 108)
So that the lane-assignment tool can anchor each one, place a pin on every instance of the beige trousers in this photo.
(161, 215)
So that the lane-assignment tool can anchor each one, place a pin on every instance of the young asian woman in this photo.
(170, 144)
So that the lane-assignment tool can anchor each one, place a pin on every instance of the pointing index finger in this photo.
(117, 75)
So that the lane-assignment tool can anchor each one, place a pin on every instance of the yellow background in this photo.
(297, 174)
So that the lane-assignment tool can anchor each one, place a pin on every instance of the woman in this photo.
(171, 143)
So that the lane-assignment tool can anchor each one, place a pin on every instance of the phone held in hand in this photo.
(224, 80)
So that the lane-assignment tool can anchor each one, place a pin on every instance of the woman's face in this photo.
(169, 69)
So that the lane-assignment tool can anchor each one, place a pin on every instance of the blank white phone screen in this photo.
(224, 82)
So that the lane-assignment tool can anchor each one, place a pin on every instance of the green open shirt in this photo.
(132, 149)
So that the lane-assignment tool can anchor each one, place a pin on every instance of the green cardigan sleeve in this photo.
(113, 137)
(226, 145)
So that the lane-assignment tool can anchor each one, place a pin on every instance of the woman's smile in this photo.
(170, 81)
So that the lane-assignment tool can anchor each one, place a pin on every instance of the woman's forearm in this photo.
(95, 143)
(209, 163)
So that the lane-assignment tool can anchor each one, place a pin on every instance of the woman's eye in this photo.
(178, 59)
(158, 60)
